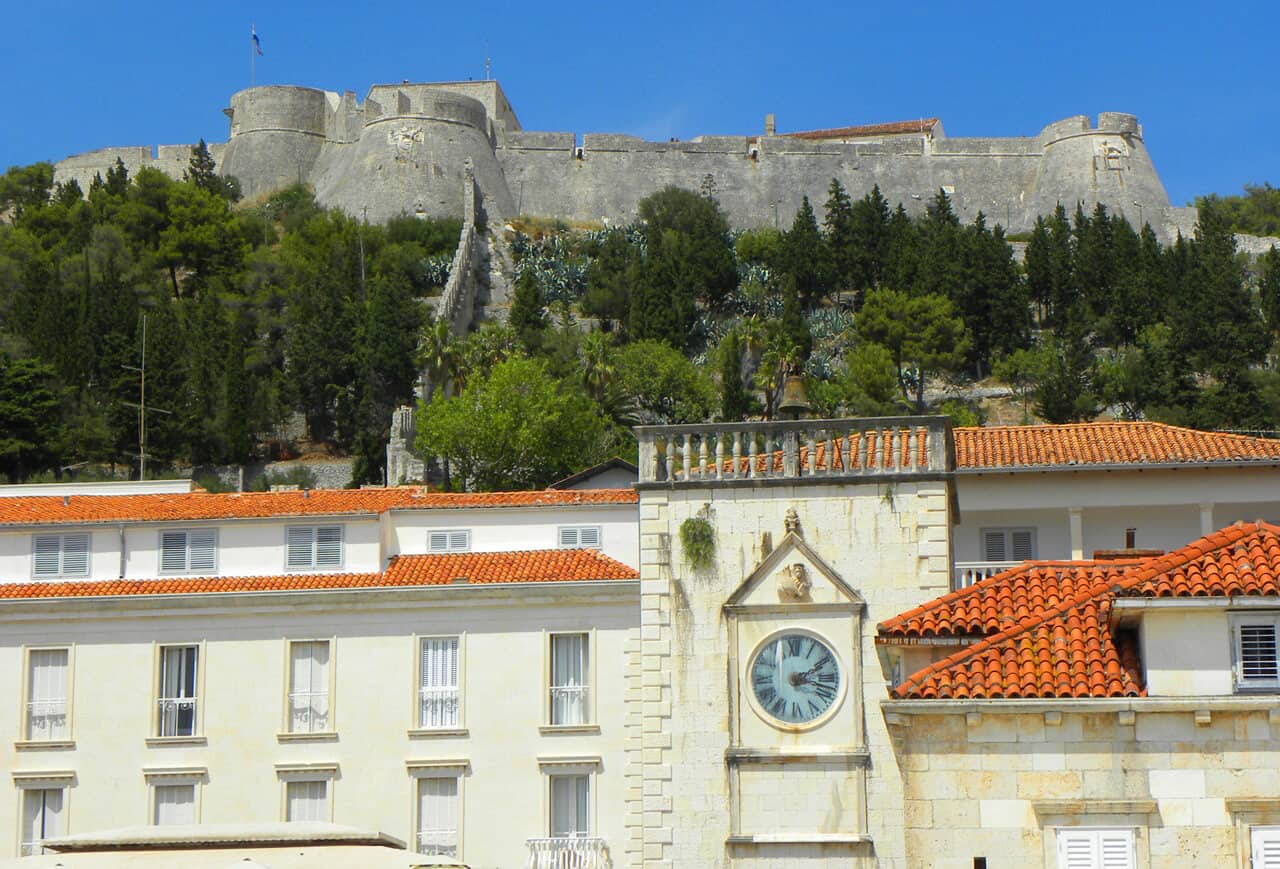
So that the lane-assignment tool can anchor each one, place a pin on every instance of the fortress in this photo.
(407, 148)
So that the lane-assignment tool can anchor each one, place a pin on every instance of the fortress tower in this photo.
(404, 148)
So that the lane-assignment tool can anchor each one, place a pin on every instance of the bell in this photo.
(794, 402)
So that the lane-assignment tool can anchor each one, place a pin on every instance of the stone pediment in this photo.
(793, 575)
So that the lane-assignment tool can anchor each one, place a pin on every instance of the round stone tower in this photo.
(1107, 163)
(410, 157)
(276, 136)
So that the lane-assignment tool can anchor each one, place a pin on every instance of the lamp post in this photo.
(1141, 222)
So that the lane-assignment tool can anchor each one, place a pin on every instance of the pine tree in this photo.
(1269, 290)
(528, 315)
(805, 254)
(871, 240)
(840, 238)
(735, 402)
(792, 322)
(1061, 283)
(1066, 393)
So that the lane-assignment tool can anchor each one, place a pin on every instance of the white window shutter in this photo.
(329, 546)
(1115, 848)
(306, 801)
(459, 541)
(438, 816)
(438, 541)
(589, 537)
(48, 555)
(569, 538)
(1024, 544)
(1265, 847)
(75, 554)
(1076, 849)
(1258, 654)
(993, 546)
(175, 804)
(173, 550)
(203, 551)
(299, 546)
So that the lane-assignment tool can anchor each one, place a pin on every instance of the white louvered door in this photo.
(1265, 850)
(438, 694)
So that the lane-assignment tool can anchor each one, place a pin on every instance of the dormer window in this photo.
(192, 551)
(454, 540)
(1257, 657)
(579, 536)
(59, 555)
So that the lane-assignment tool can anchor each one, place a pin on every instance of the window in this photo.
(309, 687)
(1256, 659)
(1265, 847)
(570, 805)
(1008, 544)
(42, 816)
(570, 679)
(306, 800)
(189, 551)
(438, 694)
(173, 804)
(580, 537)
(60, 555)
(47, 695)
(438, 815)
(457, 540)
(177, 702)
(1081, 848)
(319, 546)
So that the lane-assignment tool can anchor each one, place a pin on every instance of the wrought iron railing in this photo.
(438, 707)
(177, 716)
(569, 704)
(568, 852)
(46, 720)
(309, 711)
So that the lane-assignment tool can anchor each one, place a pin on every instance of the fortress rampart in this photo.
(404, 149)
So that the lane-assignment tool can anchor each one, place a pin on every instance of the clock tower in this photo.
(768, 553)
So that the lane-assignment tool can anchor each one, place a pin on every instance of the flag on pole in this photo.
(256, 43)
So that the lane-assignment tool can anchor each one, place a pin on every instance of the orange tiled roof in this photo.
(1002, 601)
(1055, 645)
(540, 566)
(892, 128)
(1103, 443)
(39, 510)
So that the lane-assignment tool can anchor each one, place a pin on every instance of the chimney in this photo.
(770, 124)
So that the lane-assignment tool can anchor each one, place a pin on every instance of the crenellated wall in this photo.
(403, 149)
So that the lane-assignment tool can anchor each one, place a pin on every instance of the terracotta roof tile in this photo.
(1052, 636)
(81, 509)
(892, 128)
(1104, 443)
(532, 566)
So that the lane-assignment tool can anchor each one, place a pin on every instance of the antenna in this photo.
(142, 404)
(488, 61)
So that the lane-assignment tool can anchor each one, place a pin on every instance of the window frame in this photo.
(448, 540)
(60, 782)
(197, 733)
(459, 728)
(455, 769)
(1237, 621)
(1062, 834)
(1008, 531)
(67, 740)
(578, 529)
(193, 777)
(299, 773)
(314, 532)
(287, 733)
(560, 767)
(186, 552)
(62, 572)
(591, 724)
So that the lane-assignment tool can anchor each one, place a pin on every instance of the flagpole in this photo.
(253, 31)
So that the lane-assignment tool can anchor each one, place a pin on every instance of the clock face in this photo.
(795, 677)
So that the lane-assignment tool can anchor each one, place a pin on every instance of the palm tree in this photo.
(598, 367)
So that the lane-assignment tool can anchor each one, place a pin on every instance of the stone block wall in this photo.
(996, 785)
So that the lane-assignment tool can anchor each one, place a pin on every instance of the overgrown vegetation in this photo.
(252, 314)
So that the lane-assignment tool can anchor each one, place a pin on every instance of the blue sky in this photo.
(1200, 78)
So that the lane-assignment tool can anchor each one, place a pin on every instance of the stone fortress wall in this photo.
(404, 150)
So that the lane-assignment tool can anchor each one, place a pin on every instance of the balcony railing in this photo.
(820, 448)
(969, 572)
(177, 716)
(438, 707)
(309, 711)
(568, 852)
(438, 843)
(46, 720)
(569, 704)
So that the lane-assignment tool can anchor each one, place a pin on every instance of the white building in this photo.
(540, 678)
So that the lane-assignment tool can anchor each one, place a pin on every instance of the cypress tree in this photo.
(735, 402)
(528, 315)
(804, 253)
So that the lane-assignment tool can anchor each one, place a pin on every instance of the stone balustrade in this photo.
(755, 452)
